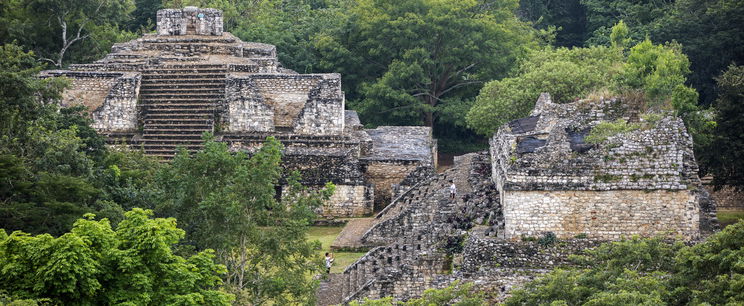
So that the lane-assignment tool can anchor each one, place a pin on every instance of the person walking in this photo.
(328, 261)
(453, 190)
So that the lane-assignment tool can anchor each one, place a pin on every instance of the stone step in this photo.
(179, 116)
(176, 80)
(120, 60)
(192, 66)
(180, 71)
(126, 55)
(168, 152)
(165, 120)
(173, 136)
(189, 111)
(177, 106)
(171, 147)
(178, 100)
(190, 85)
(171, 142)
(154, 126)
(185, 95)
(215, 91)
(179, 131)
(161, 76)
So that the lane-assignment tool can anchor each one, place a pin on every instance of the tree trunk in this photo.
(429, 115)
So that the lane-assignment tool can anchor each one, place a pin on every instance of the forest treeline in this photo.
(86, 223)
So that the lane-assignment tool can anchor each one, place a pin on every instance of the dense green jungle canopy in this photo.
(462, 67)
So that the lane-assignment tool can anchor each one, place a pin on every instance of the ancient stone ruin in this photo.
(550, 180)
(540, 181)
(541, 194)
(163, 91)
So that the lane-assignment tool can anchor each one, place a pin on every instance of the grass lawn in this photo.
(728, 217)
(326, 235)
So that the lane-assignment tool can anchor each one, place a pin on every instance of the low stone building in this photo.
(164, 90)
(639, 182)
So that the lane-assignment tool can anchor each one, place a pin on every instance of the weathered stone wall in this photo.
(89, 91)
(246, 109)
(319, 160)
(727, 198)
(302, 104)
(385, 175)
(189, 21)
(110, 97)
(643, 181)
(349, 201)
(600, 214)
(119, 111)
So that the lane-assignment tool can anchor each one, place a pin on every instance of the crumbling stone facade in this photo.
(165, 90)
(643, 182)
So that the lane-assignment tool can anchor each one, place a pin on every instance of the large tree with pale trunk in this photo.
(413, 59)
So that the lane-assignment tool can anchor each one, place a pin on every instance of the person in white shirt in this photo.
(453, 190)
(328, 262)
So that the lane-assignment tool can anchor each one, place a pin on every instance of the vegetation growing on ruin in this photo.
(606, 129)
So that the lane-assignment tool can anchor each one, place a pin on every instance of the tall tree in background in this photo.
(568, 17)
(567, 74)
(144, 16)
(710, 32)
(602, 15)
(53, 28)
(409, 60)
(728, 168)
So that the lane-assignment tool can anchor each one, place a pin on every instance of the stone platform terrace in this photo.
(165, 90)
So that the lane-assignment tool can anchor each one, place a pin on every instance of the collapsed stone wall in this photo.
(302, 104)
(189, 21)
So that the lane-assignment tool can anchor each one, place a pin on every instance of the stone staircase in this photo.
(178, 104)
(412, 236)
(423, 204)
(330, 290)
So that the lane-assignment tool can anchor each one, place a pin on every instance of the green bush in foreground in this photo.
(647, 272)
(97, 265)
